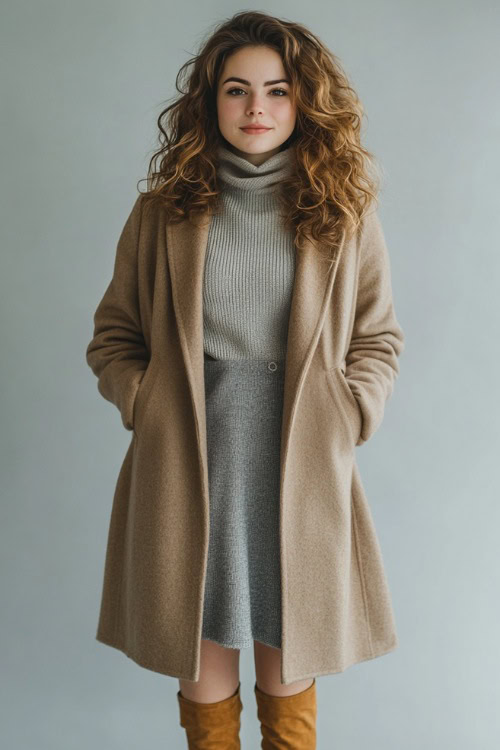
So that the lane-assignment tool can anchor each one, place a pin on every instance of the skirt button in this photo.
(272, 366)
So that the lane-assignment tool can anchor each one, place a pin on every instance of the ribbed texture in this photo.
(250, 262)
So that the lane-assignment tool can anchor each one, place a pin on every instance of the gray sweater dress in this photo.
(248, 281)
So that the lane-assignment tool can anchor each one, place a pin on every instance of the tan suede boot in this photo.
(212, 726)
(288, 722)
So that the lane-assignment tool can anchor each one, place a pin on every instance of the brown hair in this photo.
(330, 189)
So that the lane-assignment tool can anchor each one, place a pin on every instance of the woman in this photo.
(249, 339)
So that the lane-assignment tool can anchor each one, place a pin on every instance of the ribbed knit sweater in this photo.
(250, 262)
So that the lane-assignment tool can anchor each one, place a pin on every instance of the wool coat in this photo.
(341, 363)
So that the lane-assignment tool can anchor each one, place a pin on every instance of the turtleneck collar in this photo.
(238, 173)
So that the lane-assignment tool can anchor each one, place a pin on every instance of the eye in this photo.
(283, 91)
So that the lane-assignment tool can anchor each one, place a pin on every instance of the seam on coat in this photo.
(354, 303)
(120, 590)
(119, 602)
(201, 599)
(139, 203)
(138, 262)
(293, 409)
(361, 577)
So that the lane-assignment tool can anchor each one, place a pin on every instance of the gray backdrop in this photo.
(82, 85)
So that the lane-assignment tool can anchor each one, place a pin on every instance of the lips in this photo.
(255, 128)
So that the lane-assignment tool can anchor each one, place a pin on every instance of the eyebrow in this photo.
(247, 83)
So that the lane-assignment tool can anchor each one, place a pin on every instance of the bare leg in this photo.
(219, 674)
(267, 672)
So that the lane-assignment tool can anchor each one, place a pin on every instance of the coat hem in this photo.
(140, 661)
(301, 676)
(344, 667)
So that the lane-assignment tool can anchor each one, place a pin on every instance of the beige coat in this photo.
(341, 364)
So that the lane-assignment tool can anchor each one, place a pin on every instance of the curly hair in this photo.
(330, 189)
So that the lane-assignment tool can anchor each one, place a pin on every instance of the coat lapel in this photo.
(313, 282)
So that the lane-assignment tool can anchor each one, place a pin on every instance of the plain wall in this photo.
(82, 85)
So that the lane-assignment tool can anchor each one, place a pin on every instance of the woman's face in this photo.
(254, 99)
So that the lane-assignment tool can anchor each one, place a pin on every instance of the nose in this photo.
(255, 105)
(255, 110)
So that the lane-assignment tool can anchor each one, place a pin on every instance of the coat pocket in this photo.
(142, 396)
(342, 393)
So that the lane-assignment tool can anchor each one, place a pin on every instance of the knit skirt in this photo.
(244, 406)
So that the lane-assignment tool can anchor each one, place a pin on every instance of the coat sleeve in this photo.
(117, 353)
(377, 338)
